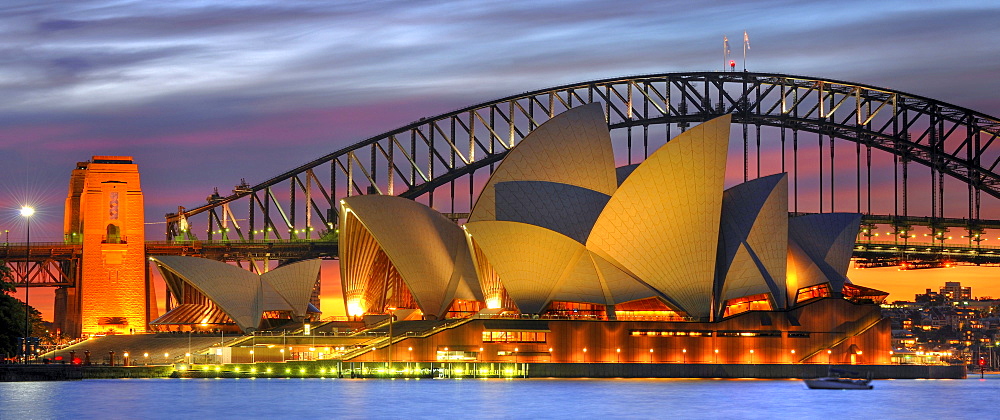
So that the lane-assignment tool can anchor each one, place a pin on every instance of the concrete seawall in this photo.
(107, 372)
(17, 373)
(22, 373)
(763, 371)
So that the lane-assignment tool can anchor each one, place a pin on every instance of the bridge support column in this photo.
(66, 311)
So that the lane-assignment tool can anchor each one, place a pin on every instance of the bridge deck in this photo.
(47, 269)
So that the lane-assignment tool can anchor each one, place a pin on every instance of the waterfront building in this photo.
(566, 258)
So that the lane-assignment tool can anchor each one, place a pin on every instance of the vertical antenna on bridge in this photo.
(745, 107)
(746, 47)
(725, 52)
(833, 108)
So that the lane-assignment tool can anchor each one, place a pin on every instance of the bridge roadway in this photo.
(42, 252)
(913, 255)
(55, 264)
(217, 250)
(52, 261)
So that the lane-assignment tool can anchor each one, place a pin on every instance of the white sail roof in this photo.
(428, 250)
(753, 254)
(571, 148)
(530, 260)
(538, 266)
(657, 222)
(294, 282)
(564, 208)
(235, 290)
(827, 239)
(241, 294)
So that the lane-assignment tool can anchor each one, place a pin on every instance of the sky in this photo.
(205, 93)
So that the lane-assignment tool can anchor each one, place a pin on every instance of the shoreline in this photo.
(456, 370)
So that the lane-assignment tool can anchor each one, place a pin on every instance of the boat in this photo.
(841, 379)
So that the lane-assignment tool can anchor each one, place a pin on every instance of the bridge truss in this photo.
(902, 160)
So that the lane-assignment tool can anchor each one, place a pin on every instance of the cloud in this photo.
(203, 94)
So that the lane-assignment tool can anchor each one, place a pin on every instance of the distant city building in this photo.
(952, 291)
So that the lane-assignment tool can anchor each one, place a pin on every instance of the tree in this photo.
(12, 315)
(6, 278)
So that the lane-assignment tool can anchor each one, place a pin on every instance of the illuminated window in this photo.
(454, 355)
(464, 308)
(514, 337)
(760, 302)
(812, 292)
(749, 334)
(575, 310)
(650, 309)
(861, 294)
(670, 333)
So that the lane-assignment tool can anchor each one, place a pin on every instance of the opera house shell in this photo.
(214, 295)
(559, 234)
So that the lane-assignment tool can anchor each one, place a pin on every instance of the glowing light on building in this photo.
(493, 303)
(355, 307)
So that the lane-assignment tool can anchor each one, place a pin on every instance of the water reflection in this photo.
(492, 398)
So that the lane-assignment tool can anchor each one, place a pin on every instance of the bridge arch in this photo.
(449, 150)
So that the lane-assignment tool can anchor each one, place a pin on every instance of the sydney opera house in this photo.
(567, 258)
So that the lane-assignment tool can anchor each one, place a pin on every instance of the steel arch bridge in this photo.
(844, 145)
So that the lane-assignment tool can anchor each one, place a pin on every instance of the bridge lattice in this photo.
(843, 145)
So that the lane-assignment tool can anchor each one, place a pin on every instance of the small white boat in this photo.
(840, 379)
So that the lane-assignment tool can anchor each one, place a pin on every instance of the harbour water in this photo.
(493, 398)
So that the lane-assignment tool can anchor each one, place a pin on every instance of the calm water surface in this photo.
(494, 398)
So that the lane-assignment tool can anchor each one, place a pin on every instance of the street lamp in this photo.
(618, 355)
(252, 360)
(716, 356)
(26, 212)
(751, 356)
(650, 355)
(389, 348)
(684, 354)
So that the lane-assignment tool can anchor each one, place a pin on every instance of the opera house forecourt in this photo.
(567, 259)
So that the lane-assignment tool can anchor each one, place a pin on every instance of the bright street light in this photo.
(26, 212)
